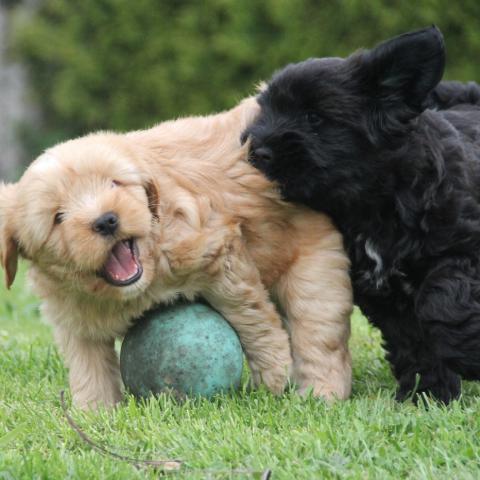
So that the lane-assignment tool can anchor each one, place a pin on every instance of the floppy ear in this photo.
(400, 74)
(152, 195)
(8, 245)
(9, 258)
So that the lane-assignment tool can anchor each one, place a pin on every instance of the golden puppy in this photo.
(113, 224)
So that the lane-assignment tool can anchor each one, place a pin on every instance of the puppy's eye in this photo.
(115, 183)
(58, 219)
(314, 118)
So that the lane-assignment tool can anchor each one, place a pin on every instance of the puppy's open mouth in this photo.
(123, 267)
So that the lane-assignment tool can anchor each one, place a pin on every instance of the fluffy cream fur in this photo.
(207, 225)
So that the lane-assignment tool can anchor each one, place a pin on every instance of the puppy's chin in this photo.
(121, 293)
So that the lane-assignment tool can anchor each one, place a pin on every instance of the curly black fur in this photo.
(451, 94)
(356, 138)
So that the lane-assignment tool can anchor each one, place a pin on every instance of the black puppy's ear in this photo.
(398, 76)
(408, 67)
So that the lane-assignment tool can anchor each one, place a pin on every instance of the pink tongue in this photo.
(121, 264)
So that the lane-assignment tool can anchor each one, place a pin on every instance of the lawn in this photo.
(368, 436)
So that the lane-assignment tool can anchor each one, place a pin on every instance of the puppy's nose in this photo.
(106, 224)
(244, 137)
(262, 155)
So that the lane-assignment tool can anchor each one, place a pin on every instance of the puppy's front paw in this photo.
(96, 400)
(442, 388)
(274, 377)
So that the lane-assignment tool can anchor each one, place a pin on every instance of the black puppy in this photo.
(451, 94)
(354, 138)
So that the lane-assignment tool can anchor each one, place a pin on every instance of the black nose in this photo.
(262, 155)
(106, 224)
(244, 137)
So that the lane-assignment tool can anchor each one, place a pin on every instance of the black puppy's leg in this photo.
(448, 305)
(415, 363)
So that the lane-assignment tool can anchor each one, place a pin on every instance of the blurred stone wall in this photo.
(15, 109)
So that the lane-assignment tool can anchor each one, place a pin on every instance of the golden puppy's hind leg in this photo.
(315, 295)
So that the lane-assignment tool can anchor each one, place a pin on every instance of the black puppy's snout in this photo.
(106, 224)
(244, 137)
(262, 154)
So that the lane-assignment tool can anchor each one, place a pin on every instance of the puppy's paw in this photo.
(442, 389)
(104, 399)
(327, 391)
(275, 377)
(330, 378)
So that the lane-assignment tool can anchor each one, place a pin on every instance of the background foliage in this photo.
(126, 65)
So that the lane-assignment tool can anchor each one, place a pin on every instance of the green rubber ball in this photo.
(187, 349)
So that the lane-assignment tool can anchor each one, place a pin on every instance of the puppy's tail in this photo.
(451, 94)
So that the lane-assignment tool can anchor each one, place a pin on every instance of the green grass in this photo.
(369, 436)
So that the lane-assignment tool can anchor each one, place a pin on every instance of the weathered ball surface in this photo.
(187, 349)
